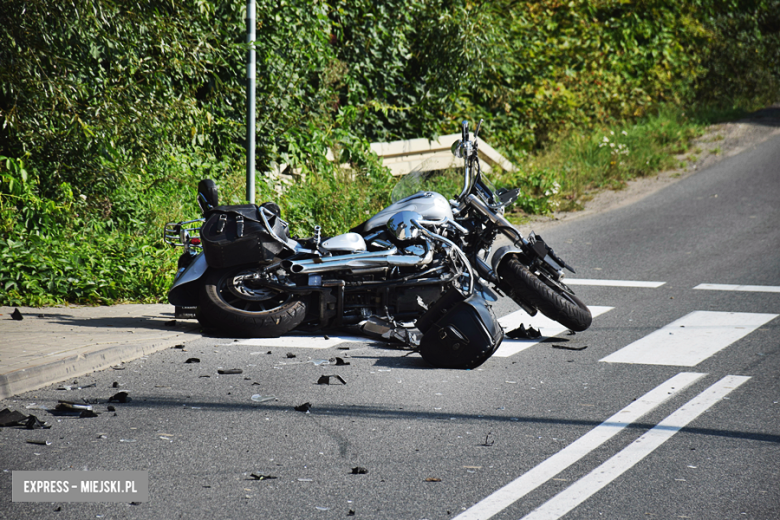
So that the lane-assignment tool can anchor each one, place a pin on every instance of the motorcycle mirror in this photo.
(457, 149)
(402, 227)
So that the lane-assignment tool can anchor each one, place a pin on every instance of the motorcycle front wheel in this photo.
(242, 307)
(568, 310)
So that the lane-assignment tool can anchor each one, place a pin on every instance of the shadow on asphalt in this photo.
(375, 412)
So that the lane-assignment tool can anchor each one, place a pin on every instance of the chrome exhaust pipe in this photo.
(357, 261)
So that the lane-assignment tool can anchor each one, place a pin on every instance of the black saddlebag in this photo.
(459, 332)
(235, 235)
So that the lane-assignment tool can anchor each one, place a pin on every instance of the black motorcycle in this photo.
(424, 262)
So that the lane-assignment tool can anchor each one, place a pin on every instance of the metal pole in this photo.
(250, 104)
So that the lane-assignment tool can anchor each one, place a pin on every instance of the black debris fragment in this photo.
(305, 407)
(87, 414)
(230, 371)
(290, 355)
(488, 441)
(115, 384)
(325, 337)
(357, 470)
(119, 397)
(70, 408)
(522, 332)
(341, 362)
(39, 442)
(325, 380)
(111, 409)
(565, 347)
(351, 512)
(258, 476)
(193, 360)
(33, 423)
(205, 375)
(16, 315)
(178, 346)
(11, 418)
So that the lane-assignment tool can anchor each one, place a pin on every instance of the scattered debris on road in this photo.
(259, 476)
(566, 347)
(325, 380)
(522, 332)
(119, 397)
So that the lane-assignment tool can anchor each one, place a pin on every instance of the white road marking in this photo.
(524, 484)
(746, 288)
(295, 340)
(624, 460)
(612, 283)
(691, 339)
(545, 325)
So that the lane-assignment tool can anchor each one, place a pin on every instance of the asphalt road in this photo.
(684, 423)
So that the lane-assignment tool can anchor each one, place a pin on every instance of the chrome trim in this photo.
(457, 250)
(358, 261)
(176, 234)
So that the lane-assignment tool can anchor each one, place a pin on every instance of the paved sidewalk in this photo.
(55, 344)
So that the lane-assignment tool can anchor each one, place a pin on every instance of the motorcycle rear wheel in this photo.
(246, 309)
(567, 310)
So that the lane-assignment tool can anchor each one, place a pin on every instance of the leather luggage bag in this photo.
(235, 235)
(459, 332)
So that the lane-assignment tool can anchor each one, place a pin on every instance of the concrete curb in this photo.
(33, 378)
(54, 344)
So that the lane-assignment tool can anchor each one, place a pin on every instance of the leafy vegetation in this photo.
(112, 111)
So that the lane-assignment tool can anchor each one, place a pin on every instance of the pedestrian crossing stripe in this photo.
(691, 339)
(741, 288)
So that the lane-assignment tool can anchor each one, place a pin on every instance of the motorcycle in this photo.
(424, 262)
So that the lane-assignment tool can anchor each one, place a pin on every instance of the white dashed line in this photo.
(745, 288)
(613, 283)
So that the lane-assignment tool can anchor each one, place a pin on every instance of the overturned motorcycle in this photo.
(423, 263)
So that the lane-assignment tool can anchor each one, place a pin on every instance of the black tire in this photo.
(567, 310)
(265, 313)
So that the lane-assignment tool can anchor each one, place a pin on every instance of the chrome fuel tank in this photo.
(429, 204)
